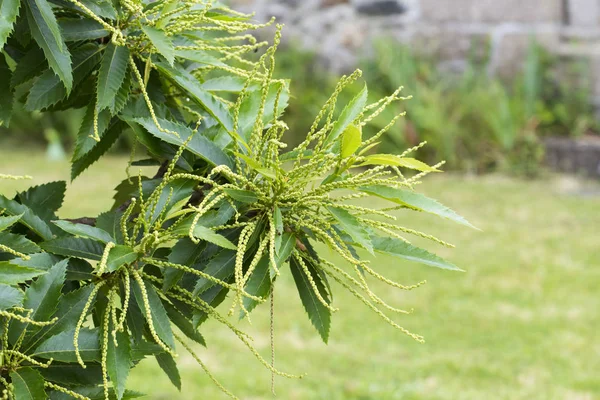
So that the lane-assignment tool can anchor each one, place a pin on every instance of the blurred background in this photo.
(508, 93)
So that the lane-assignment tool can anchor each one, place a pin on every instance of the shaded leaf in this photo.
(106, 142)
(85, 141)
(259, 284)
(76, 29)
(29, 66)
(7, 222)
(199, 144)
(320, 316)
(74, 247)
(6, 100)
(46, 33)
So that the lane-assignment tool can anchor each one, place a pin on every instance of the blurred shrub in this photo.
(473, 121)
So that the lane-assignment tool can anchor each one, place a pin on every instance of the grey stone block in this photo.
(494, 11)
(381, 8)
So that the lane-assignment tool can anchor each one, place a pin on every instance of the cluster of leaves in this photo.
(83, 301)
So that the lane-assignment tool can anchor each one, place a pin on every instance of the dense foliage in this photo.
(228, 207)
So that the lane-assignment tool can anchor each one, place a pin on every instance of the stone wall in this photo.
(340, 30)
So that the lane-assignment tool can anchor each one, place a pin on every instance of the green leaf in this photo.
(415, 201)
(74, 247)
(199, 144)
(60, 347)
(69, 309)
(221, 267)
(393, 160)
(44, 199)
(243, 196)
(10, 297)
(352, 110)
(28, 384)
(29, 218)
(119, 256)
(6, 100)
(18, 243)
(161, 41)
(204, 233)
(47, 90)
(46, 33)
(118, 362)
(351, 140)
(401, 249)
(84, 231)
(259, 284)
(188, 83)
(7, 222)
(106, 142)
(43, 294)
(278, 222)
(320, 316)
(76, 29)
(85, 141)
(9, 11)
(11, 274)
(71, 375)
(119, 101)
(169, 366)
(160, 319)
(112, 73)
(184, 324)
(353, 227)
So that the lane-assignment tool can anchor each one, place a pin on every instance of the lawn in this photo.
(522, 322)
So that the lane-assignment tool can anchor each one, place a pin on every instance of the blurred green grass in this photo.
(521, 323)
